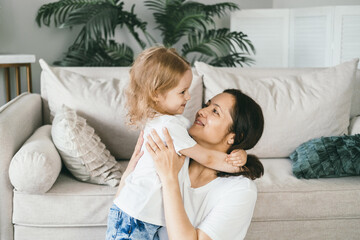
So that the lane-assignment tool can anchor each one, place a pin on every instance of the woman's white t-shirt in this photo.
(141, 197)
(222, 208)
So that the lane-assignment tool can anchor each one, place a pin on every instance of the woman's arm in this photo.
(133, 161)
(168, 165)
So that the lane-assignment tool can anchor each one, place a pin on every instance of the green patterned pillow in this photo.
(327, 157)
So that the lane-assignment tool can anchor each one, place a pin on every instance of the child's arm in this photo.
(132, 163)
(216, 160)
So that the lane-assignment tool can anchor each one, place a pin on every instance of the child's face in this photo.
(173, 102)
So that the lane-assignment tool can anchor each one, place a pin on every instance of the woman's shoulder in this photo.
(236, 186)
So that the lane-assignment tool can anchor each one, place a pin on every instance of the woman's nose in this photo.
(202, 112)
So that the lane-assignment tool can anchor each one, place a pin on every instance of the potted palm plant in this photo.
(98, 20)
(193, 22)
(178, 20)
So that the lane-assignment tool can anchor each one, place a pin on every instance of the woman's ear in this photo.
(230, 138)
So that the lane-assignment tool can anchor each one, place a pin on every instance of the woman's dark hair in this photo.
(248, 126)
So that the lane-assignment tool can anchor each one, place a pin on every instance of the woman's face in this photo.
(212, 123)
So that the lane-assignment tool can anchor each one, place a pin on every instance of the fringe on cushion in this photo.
(336, 156)
(79, 141)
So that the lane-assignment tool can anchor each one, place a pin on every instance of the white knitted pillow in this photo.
(82, 151)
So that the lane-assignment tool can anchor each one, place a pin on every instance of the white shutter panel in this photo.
(269, 33)
(311, 36)
(346, 33)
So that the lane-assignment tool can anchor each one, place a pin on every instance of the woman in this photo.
(211, 204)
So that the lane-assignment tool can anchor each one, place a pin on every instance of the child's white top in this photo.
(222, 209)
(141, 197)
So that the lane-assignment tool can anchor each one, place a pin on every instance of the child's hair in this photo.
(155, 71)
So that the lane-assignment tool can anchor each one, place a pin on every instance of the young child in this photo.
(158, 92)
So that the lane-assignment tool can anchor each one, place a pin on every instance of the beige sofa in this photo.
(286, 208)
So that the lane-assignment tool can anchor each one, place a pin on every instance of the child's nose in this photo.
(187, 96)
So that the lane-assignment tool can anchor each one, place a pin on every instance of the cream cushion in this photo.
(97, 94)
(354, 127)
(82, 151)
(303, 106)
(37, 164)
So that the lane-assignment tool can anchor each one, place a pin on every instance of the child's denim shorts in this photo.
(121, 226)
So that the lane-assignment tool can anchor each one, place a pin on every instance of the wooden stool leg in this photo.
(18, 84)
(7, 83)
(28, 76)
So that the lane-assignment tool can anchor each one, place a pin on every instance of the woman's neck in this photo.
(200, 175)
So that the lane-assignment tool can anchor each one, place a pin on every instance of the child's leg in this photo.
(121, 226)
(113, 222)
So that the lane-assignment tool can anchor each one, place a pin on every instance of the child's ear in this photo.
(156, 97)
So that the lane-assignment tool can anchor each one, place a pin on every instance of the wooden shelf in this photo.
(16, 60)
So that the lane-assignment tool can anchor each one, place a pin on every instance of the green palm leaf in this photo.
(231, 60)
(174, 20)
(99, 53)
(177, 19)
(218, 44)
(131, 21)
(99, 18)
(59, 11)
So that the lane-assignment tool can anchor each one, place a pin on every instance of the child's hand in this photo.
(237, 158)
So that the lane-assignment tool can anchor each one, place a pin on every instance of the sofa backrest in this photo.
(117, 137)
(283, 72)
(298, 105)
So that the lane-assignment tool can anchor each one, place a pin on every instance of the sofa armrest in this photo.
(354, 127)
(19, 118)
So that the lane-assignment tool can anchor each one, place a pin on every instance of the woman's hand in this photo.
(167, 162)
(133, 161)
(237, 158)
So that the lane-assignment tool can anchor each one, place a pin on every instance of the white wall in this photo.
(312, 3)
(19, 34)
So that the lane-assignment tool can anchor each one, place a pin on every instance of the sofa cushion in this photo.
(304, 107)
(97, 94)
(37, 164)
(68, 203)
(354, 127)
(281, 197)
(82, 151)
(337, 156)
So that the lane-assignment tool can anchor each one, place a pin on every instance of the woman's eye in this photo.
(203, 105)
(183, 92)
(215, 111)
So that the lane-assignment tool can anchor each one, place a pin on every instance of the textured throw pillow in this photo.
(337, 156)
(296, 108)
(82, 151)
(37, 164)
(101, 101)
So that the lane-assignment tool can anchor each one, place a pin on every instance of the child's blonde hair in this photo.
(155, 71)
